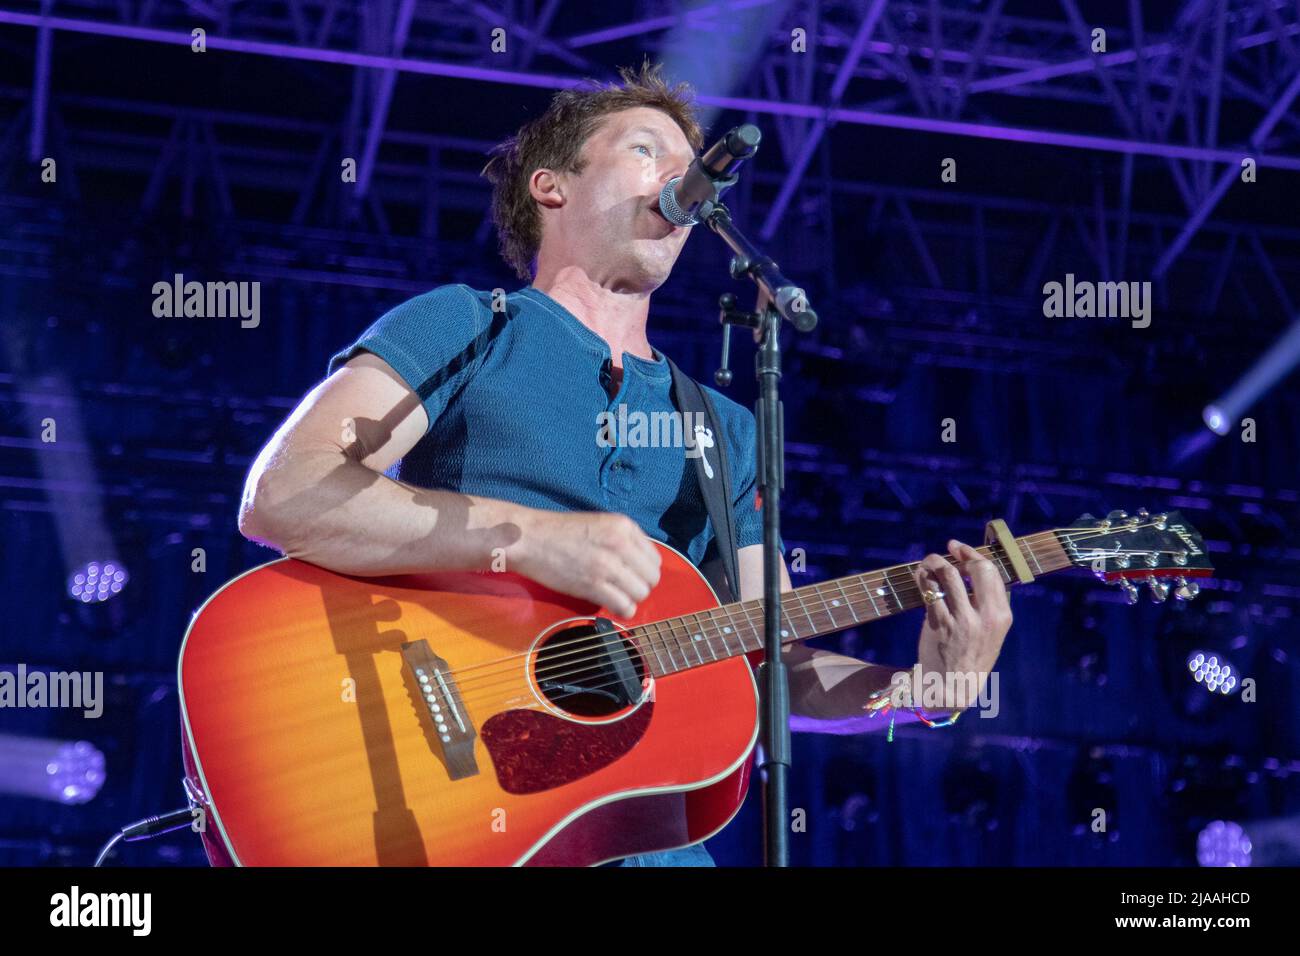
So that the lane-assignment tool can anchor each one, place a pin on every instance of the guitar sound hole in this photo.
(588, 673)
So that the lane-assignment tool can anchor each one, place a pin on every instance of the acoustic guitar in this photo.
(479, 718)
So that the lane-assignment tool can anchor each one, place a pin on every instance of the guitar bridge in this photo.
(453, 730)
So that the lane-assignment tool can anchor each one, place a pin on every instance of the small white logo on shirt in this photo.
(703, 440)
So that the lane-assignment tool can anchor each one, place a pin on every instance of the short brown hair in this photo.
(555, 140)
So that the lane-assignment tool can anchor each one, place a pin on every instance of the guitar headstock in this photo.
(1162, 549)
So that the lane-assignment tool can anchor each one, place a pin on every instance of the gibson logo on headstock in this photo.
(1186, 538)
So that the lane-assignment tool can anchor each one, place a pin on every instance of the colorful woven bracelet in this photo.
(878, 702)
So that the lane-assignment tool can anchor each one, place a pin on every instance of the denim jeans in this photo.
(693, 855)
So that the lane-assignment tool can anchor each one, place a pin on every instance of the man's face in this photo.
(609, 224)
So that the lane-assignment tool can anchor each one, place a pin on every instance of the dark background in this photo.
(224, 166)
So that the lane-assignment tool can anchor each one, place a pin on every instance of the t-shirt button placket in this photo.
(624, 482)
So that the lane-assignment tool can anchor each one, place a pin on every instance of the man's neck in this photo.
(617, 317)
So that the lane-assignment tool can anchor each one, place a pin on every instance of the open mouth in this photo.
(664, 228)
(658, 214)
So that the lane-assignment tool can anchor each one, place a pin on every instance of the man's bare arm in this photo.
(317, 492)
(823, 685)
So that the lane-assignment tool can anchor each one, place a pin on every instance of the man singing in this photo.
(491, 403)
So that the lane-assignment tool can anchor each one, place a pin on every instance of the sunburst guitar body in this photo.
(455, 719)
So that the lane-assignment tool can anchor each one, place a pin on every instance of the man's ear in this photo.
(544, 186)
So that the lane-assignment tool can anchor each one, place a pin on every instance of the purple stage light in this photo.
(1269, 369)
(1257, 843)
(1223, 843)
(64, 771)
(97, 581)
(1215, 420)
(1216, 675)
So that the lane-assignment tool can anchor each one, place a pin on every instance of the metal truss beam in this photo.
(469, 71)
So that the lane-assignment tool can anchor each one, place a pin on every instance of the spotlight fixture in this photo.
(1215, 674)
(64, 771)
(1271, 842)
(97, 581)
(1215, 420)
(1223, 843)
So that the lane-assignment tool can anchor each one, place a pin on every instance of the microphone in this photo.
(685, 200)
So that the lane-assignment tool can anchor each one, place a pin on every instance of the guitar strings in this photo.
(749, 608)
(753, 607)
(785, 597)
(663, 631)
(584, 665)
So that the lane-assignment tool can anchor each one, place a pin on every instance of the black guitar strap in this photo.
(713, 473)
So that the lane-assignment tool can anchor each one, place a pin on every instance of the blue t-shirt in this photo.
(518, 410)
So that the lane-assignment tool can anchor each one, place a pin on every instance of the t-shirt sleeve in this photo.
(434, 341)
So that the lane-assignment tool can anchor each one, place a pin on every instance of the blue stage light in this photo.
(1223, 843)
(1269, 369)
(1215, 420)
(97, 581)
(1217, 676)
(64, 771)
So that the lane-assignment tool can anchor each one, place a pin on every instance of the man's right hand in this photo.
(602, 558)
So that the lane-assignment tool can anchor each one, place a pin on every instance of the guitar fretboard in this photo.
(681, 643)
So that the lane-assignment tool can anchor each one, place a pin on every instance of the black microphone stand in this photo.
(778, 299)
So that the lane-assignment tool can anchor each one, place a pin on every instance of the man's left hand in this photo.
(963, 633)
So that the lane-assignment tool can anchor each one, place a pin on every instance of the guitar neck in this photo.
(680, 643)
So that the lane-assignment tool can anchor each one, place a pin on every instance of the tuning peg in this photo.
(1159, 589)
(1117, 516)
(1143, 513)
(1186, 590)
(1129, 589)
